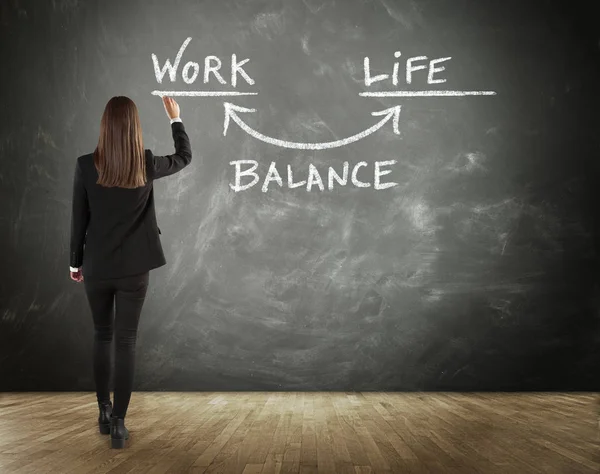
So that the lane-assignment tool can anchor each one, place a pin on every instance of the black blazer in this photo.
(113, 230)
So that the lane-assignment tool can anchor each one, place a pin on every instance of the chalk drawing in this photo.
(313, 179)
(231, 112)
(432, 93)
(201, 93)
(212, 64)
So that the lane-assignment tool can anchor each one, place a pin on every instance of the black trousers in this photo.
(127, 295)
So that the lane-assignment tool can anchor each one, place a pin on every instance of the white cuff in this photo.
(73, 269)
(176, 119)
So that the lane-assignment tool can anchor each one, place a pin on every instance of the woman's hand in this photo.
(77, 276)
(171, 107)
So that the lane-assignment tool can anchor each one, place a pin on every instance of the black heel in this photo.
(104, 417)
(118, 433)
(116, 443)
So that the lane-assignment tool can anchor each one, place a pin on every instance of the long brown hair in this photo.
(119, 156)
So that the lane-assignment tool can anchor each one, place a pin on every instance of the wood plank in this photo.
(281, 432)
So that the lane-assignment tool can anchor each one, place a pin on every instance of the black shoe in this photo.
(104, 418)
(118, 432)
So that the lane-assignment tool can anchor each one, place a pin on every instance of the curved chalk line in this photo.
(231, 112)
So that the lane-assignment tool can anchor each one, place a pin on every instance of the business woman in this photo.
(115, 243)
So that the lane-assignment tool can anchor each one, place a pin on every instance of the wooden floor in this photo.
(262, 432)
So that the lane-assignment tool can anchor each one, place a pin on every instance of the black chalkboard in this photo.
(477, 268)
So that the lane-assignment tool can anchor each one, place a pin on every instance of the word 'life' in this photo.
(409, 69)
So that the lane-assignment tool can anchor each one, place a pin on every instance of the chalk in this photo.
(235, 68)
(370, 80)
(313, 180)
(231, 112)
(410, 69)
(172, 68)
(432, 93)
(212, 64)
(214, 69)
(201, 93)
(433, 70)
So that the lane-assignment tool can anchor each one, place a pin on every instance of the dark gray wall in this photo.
(478, 271)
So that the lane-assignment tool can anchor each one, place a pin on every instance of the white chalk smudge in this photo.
(324, 69)
(468, 162)
(304, 41)
(269, 25)
(401, 17)
(421, 216)
(434, 295)
(315, 6)
(351, 32)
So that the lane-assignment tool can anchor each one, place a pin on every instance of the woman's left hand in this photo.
(77, 276)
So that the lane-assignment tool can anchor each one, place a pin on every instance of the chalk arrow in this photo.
(231, 112)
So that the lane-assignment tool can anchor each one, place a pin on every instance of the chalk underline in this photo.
(203, 93)
(362, 94)
(424, 93)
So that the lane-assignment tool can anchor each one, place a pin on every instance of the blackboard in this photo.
(476, 270)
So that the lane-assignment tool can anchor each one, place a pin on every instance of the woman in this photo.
(114, 219)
